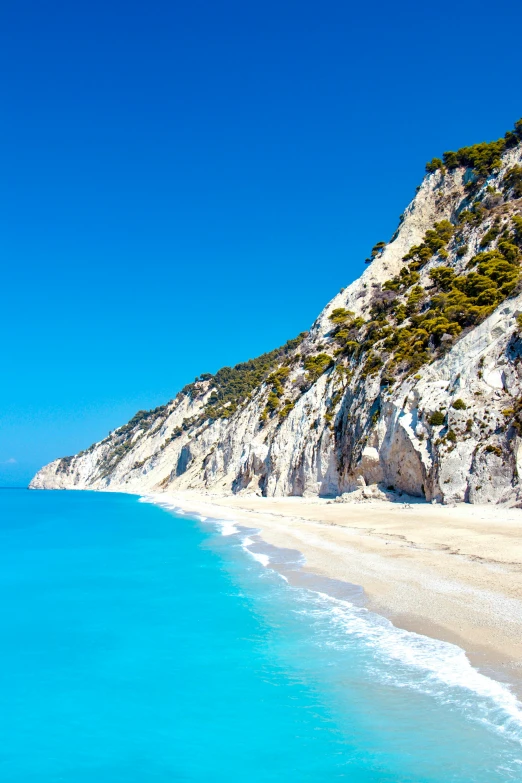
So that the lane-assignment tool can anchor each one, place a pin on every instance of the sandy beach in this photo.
(453, 573)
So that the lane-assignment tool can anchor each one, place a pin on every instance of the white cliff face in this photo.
(351, 426)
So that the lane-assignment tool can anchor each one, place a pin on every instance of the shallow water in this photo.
(140, 645)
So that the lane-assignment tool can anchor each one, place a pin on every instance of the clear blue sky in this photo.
(185, 185)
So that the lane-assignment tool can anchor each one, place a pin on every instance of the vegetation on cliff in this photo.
(483, 158)
(411, 325)
(233, 385)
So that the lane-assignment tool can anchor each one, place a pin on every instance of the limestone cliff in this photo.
(410, 378)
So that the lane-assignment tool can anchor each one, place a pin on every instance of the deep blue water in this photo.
(139, 645)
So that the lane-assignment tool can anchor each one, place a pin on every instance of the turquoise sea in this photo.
(138, 644)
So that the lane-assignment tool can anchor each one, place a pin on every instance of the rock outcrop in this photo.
(410, 378)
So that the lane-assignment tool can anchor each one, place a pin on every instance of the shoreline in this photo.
(449, 573)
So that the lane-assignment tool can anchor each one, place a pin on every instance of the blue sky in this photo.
(185, 185)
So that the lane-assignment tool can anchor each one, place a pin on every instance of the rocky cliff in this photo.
(410, 378)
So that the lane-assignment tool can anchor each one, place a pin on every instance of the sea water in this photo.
(138, 644)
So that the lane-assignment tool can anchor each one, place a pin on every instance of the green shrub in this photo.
(340, 315)
(513, 181)
(400, 312)
(277, 378)
(377, 249)
(435, 241)
(372, 364)
(404, 280)
(316, 365)
(509, 250)
(466, 216)
(272, 402)
(517, 415)
(483, 158)
(437, 419)
(459, 405)
(285, 410)
(490, 236)
(517, 225)
(434, 165)
(415, 298)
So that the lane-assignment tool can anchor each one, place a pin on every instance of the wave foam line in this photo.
(442, 669)
(436, 663)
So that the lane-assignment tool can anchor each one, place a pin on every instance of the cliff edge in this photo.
(409, 379)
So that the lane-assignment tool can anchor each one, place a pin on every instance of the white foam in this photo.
(163, 502)
(227, 528)
(259, 556)
(171, 506)
(439, 668)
